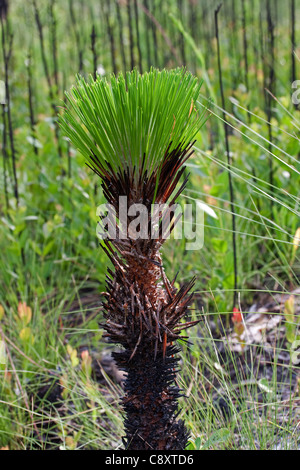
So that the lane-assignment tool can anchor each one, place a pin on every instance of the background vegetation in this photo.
(58, 387)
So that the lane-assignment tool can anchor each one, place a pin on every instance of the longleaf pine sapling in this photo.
(136, 133)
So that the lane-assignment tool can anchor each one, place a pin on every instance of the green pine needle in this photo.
(127, 119)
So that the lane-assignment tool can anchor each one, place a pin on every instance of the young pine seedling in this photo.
(136, 132)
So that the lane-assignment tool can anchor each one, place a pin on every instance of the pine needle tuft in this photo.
(131, 121)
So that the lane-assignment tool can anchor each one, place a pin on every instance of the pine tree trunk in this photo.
(143, 312)
(150, 402)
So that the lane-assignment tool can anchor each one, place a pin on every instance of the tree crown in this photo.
(131, 122)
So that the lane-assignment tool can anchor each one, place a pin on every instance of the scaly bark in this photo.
(143, 310)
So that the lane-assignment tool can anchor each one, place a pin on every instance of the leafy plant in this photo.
(137, 132)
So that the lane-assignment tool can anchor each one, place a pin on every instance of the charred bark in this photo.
(143, 309)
